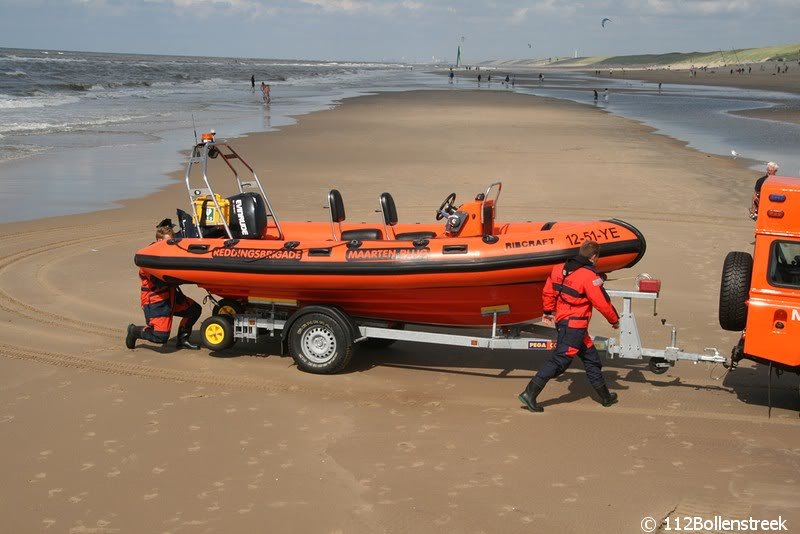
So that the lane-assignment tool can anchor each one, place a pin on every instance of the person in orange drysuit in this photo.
(570, 292)
(160, 302)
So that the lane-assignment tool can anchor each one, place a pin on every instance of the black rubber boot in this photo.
(182, 341)
(134, 333)
(532, 390)
(606, 397)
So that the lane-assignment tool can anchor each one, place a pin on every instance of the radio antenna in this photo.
(195, 129)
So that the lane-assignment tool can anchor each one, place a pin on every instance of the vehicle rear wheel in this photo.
(216, 333)
(734, 291)
(320, 344)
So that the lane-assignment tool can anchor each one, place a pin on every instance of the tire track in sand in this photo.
(17, 307)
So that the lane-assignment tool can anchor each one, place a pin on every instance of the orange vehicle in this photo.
(441, 273)
(760, 294)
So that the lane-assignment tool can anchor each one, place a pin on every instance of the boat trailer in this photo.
(321, 338)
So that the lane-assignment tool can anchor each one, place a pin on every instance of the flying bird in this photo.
(734, 154)
(529, 45)
(603, 22)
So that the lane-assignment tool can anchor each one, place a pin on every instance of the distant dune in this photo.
(678, 60)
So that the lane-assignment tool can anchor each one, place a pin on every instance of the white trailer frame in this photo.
(266, 314)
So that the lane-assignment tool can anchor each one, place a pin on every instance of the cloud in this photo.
(413, 6)
(519, 15)
(700, 7)
(348, 6)
(558, 7)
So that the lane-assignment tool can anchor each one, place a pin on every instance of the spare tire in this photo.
(734, 291)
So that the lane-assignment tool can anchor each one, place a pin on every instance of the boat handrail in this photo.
(200, 154)
(494, 200)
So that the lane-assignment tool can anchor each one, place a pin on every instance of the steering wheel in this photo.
(447, 207)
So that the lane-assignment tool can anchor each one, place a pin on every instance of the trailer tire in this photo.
(320, 344)
(657, 366)
(216, 333)
(228, 307)
(734, 291)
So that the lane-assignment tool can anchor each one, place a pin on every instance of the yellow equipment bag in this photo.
(207, 213)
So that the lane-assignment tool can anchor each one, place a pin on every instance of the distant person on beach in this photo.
(479, 79)
(253, 82)
(265, 92)
(541, 78)
(506, 79)
(595, 95)
(659, 87)
(772, 168)
(160, 302)
(452, 75)
(605, 94)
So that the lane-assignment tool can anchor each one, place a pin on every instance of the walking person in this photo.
(160, 302)
(253, 82)
(570, 292)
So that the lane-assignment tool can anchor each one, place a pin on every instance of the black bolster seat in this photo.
(413, 236)
(389, 211)
(362, 234)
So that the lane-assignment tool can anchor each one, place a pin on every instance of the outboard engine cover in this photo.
(248, 216)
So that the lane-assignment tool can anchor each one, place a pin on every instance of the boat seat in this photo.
(362, 234)
(389, 211)
(413, 236)
(336, 205)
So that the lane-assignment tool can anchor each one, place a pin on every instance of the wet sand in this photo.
(411, 438)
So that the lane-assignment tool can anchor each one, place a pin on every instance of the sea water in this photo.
(80, 130)
(697, 114)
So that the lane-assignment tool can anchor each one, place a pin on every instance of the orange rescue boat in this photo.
(446, 273)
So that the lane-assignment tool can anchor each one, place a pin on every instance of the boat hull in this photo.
(439, 281)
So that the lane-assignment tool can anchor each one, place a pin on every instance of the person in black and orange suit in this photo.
(570, 293)
(160, 302)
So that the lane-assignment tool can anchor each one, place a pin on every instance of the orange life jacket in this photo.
(154, 289)
(572, 290)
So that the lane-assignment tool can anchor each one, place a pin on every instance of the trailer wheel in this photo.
(228, 307)
(656, 367)
(217, 333)
(734, 291)
(320, 344)
(377, 343)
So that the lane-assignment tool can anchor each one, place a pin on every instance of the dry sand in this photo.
(768, 78)
(413, 438)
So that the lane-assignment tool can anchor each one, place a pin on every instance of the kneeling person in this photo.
(160, 302)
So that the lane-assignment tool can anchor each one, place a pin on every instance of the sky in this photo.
(397, 30)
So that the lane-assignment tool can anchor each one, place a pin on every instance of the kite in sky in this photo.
(603, 22)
